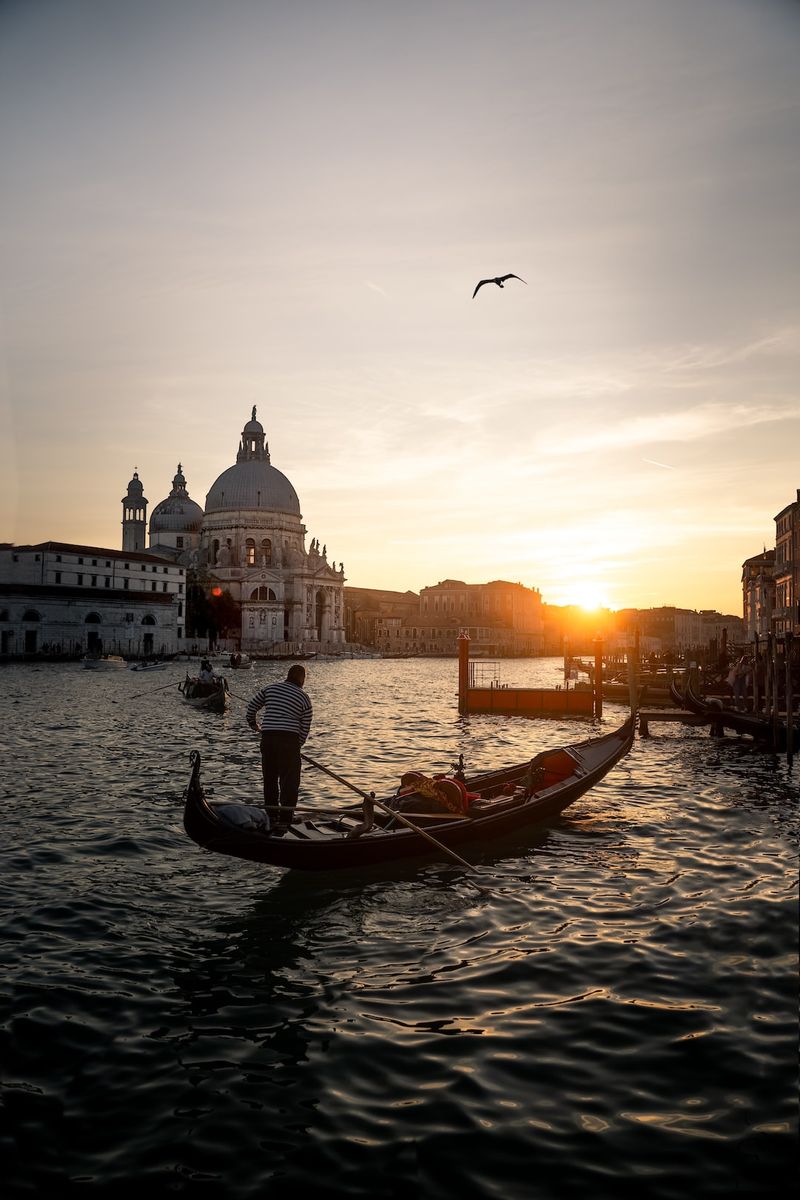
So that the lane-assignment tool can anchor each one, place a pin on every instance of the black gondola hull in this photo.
(594, 759)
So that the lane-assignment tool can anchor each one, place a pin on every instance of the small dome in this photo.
(135, 486)
(253, 427)
(178, 513)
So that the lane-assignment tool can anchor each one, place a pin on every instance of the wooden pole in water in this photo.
(632, 672)
(789, 646)
(756, 661)
(463, 671)
(598, 678)
(768, 677)
(776, 703)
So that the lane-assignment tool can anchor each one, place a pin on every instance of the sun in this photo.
(588, 595)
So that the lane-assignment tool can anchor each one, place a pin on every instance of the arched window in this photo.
(92, 619)
(148, 620)
(266, 551)
(214, 551)
(251, 552)
(263, 593)
(31, 614)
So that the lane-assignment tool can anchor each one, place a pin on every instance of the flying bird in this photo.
(499, 280)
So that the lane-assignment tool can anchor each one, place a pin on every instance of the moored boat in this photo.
(103, 662)
(496, 803)
(213, 695)
(148, 666)
(772, 732)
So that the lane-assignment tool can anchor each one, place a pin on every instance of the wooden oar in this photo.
(398, 816)
(152, 691)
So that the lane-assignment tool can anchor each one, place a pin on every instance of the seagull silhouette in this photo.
(499, 280)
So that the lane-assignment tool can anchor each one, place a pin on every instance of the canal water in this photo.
(617, 1018)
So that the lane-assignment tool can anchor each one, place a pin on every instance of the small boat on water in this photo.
(240, 662)
(148, 666)
(103, 662)
(489, 805)
(213, 696)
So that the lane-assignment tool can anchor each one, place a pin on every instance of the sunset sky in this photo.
(206, 206)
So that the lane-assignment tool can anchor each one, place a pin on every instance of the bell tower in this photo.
(134, 516)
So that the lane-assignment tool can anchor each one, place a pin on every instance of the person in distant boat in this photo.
(285, 724)
(206, 673)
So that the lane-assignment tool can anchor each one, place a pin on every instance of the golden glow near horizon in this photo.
(281, 218)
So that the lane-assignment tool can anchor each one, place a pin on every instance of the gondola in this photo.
(212, 696)
(498, 803)
(771, 732)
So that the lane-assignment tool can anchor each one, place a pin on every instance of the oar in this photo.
(151, 691)
(398, 816)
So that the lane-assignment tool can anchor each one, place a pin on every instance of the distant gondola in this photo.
(213, 696)
(498, 803)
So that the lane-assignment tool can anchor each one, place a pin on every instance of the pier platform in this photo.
(667, 714)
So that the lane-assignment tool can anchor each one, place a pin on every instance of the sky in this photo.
(208, 206)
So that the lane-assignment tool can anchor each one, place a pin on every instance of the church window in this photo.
(92, 618)
(31, 614)
(251, 552)
(214, 551)
(266, 550)
(148, 620)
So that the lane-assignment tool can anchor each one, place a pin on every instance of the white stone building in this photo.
(60, 598)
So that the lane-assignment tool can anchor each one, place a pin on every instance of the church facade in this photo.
(249, 539)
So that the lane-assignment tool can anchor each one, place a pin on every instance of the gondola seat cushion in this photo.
(243, 816)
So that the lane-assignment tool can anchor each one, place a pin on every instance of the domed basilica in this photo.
(249, 540)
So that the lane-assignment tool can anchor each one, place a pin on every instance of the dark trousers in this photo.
(280, 762)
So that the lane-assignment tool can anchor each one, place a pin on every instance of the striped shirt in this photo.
(286, 709)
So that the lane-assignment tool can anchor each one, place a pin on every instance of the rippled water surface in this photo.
(618, 1016)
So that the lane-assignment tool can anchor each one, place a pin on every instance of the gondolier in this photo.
(284, 726)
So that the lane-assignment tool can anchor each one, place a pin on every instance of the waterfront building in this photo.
(60, 598)
(786, 616)
(758, 594)
(367, 609)
(503, 619)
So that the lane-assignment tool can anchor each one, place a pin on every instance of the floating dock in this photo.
(516, 701)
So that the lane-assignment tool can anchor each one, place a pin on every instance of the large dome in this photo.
(253, 484)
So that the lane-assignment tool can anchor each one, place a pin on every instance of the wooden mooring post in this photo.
(463, 671)
(598, 678)
(788, 651)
